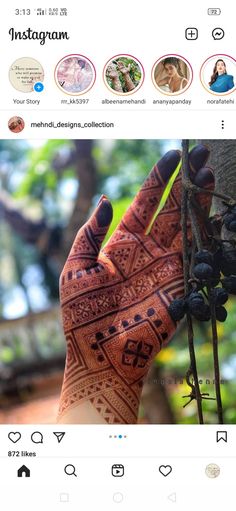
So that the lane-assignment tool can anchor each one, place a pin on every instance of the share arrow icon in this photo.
(59, 435)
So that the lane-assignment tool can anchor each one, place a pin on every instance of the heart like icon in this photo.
(165, 470)
(14, 436)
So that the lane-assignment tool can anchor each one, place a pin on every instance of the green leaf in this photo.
(165, 196)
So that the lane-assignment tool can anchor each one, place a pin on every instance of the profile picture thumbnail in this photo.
(24, 73)
(218, 74)
(172, 74)
(75, 74)
(123, 74)
(16, 124)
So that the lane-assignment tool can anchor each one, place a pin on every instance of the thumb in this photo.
(88, 241)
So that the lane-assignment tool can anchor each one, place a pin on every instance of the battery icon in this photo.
(214, 11)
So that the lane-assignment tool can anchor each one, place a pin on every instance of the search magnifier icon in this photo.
(70, 470)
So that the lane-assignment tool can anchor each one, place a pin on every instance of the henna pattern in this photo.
(115, 300)
(125, 70)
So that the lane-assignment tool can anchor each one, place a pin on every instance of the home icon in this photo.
(23, 472)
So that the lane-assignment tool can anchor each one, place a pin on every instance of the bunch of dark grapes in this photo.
(228, 259)
(207, 268)
(230, 219)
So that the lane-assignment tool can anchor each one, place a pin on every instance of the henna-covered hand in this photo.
(123, 68)
(112, 71)
(115, 299)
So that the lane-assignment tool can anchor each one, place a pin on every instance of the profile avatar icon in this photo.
(217, 74)
(75, 74)
(221, 81)
(24, 73)
(16, 124)
(172, 75)
(123, 74)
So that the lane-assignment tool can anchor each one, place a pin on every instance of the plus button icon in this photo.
(38, 87)
(191, 33)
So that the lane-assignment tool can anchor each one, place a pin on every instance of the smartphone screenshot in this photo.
(117, 256)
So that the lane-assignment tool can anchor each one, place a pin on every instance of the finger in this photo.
(204, 179)
(198, 157)
(202, 176)
(88, 241)
(168, 222)
(139, 215)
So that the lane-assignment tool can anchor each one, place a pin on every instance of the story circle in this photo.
(217, 74)
(123, 74)
(24, 73)
(75, 74)
(172, 74)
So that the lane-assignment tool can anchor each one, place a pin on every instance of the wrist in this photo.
(100, 398)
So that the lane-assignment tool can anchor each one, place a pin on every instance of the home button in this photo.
(23, 471)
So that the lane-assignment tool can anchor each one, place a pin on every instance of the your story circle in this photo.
(24, 73)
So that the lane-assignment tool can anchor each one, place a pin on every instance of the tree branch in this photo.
(195, 392)
(215, 356)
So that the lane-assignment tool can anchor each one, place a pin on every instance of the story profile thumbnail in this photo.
(123, 74)
(25, 73)
(172, 74)
(75, 74)
(217, 74)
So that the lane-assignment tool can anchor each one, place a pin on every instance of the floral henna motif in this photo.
(115, 299)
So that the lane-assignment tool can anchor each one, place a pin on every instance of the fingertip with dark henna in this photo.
(198, 157)
(205, 178)
(105, 213)
(168, 164)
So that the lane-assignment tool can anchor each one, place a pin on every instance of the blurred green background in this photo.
(48, 189)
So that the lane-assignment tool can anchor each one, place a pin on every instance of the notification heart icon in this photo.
(14, 436)
(165, 470)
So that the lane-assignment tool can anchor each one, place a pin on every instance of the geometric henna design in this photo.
(136, 353)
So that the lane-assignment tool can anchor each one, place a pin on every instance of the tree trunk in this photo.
(29, 230)
(223, 161)
(86, 172)
(39, 233)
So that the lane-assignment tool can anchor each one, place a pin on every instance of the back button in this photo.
(172, 497)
